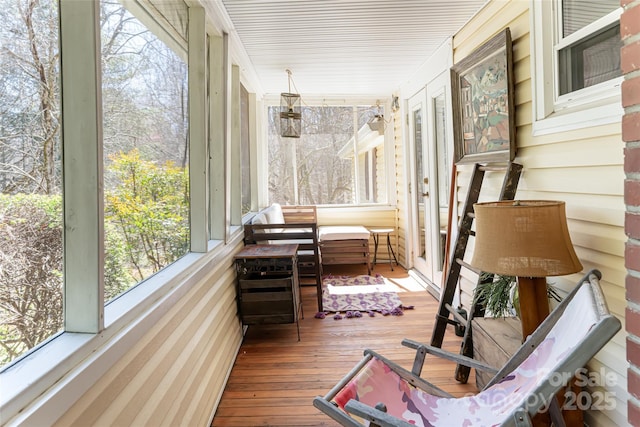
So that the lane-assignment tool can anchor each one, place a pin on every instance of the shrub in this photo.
(30, 271)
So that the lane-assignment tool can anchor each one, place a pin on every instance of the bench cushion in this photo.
(274, 214)
(259, 219)
(342, 232)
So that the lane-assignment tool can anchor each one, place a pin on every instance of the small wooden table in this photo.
(268, 287)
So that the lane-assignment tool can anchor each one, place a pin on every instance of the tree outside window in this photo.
(338, 160)
(144, 89)
(30, 176)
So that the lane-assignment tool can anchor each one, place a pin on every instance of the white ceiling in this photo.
(343, 47)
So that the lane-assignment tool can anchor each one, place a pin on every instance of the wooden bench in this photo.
(291, 224)
(344, 245)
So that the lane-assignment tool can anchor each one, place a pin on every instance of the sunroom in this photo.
(138, 137)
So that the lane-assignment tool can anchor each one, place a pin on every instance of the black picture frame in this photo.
(482, 88)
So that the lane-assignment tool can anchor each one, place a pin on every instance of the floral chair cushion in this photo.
(377, 383)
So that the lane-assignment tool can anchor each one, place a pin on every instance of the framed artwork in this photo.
(483, 103)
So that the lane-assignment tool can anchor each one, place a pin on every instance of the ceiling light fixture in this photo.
(376, 122)
(290, 112)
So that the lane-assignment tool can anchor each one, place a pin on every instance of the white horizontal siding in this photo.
(176, 373)
(582, 167)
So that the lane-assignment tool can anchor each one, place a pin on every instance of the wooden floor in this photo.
(275, 377)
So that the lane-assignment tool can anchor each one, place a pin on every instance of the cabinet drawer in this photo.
(266, 300)
(256, 284)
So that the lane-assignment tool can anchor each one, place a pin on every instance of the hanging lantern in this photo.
(376, 123)
(290, 113)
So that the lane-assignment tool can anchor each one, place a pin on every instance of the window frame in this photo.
(592, 106)
(247, 149)
(101, 333)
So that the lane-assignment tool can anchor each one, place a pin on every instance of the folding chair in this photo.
(378, 392)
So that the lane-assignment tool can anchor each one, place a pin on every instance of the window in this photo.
(245, 147)
(339, 159)
(146, 151)
(576, 67)
(587, 57)
(30, 178)
(145, 171)
(117, 112)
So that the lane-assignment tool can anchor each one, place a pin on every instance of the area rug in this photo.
(358, 293)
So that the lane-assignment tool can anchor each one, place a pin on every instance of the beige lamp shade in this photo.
(525, 238)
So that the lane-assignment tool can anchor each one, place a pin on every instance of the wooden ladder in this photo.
(508, 192)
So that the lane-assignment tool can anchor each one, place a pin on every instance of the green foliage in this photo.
(495, 294)
(149, 210)
(117, 277)
(146, 228)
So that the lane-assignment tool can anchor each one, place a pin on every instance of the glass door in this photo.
(419, 186)
(430, 130)
(439, 146)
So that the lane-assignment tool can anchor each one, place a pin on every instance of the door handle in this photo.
(425, 194)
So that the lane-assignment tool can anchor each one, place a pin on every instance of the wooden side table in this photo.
(268, 287)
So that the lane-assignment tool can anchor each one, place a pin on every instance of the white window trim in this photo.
(592, 106)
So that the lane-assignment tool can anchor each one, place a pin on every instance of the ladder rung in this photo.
(494, 168)
(461, 320)
(447, 320)
(468, 266)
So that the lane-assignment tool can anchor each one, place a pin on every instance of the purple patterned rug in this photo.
(358, 293)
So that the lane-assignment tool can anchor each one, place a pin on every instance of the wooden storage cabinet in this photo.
(494, 341)
(268, 286)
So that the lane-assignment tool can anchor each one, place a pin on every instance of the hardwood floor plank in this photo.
(275, 376)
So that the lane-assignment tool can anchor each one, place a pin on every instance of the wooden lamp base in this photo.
(534, 304)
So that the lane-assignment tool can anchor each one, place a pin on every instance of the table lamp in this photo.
(528, 239)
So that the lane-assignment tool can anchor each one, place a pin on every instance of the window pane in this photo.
(577, 14)
(322, 160)
(245, 147)
(372, 179)
(442, 155)
(591, 61)
(311, 169)
(30, 177)
(421, 173)
(146, 155)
